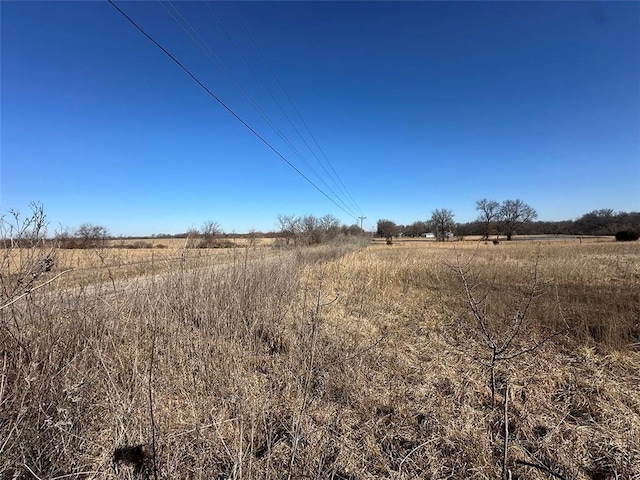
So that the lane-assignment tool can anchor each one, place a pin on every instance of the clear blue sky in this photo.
(416, 106)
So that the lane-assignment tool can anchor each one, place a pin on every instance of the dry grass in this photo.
(118, 262)
(332, 362)
(91, 266)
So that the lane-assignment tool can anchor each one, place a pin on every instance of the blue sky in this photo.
(414, 106)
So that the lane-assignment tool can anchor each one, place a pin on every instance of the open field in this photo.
(129, 258)
(180, 243)
(347, 361)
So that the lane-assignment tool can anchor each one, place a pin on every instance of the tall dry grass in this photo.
(332, 362)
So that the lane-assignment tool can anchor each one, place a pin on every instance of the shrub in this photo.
(627, 236)
(135, 245)
(213, 243)
(141, 244)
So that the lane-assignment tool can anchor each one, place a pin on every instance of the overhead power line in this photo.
(226, 107)
(190, 30)
(335, 177)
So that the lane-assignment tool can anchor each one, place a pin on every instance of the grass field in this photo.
(346, 361)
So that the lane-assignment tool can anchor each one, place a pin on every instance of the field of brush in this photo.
(355, 360)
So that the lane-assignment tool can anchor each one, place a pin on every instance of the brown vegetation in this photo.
(335, 361)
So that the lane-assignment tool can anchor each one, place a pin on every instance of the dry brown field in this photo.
(181, 243)
(118, 260)
(346, 361)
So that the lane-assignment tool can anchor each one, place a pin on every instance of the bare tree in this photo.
(442, 222)
(310, 226)
(311, 229)
(211, 229)
(387, 229)
(514, 214)
(353, 230)
(207, 235)
(417, 228)
(500, 337)
(289, 226)
(489, 213)
(92, 236)
(330, 226)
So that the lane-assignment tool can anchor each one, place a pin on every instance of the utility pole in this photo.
(361, 220)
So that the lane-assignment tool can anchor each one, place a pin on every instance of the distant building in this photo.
(428, 235)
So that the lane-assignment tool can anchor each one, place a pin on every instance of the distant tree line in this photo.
(292, 230)
(597, 222)
(312, 230)
(511, 217)
(502, 220)
(441, 226)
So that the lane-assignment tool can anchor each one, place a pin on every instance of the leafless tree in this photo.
(310, 229)
(386, 228)
(417, 228)
(289, 226)
(92, 236)
(330, 226)
(208, 233)
(211, 229)
(498, 338)
(442, 222)
(489, 212)
(515, 213)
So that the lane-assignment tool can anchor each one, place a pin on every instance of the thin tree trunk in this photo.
(506, 473)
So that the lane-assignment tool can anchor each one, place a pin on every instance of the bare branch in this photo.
(526, 302)
(14, 300)
(533, 347)
(474, 304)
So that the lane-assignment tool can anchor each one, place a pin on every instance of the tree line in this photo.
(311, 230)
(510, 217)
(291, 230)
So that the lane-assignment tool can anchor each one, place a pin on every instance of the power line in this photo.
(224, 105)
(275, 100)
(341, 186)
(186, 26)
